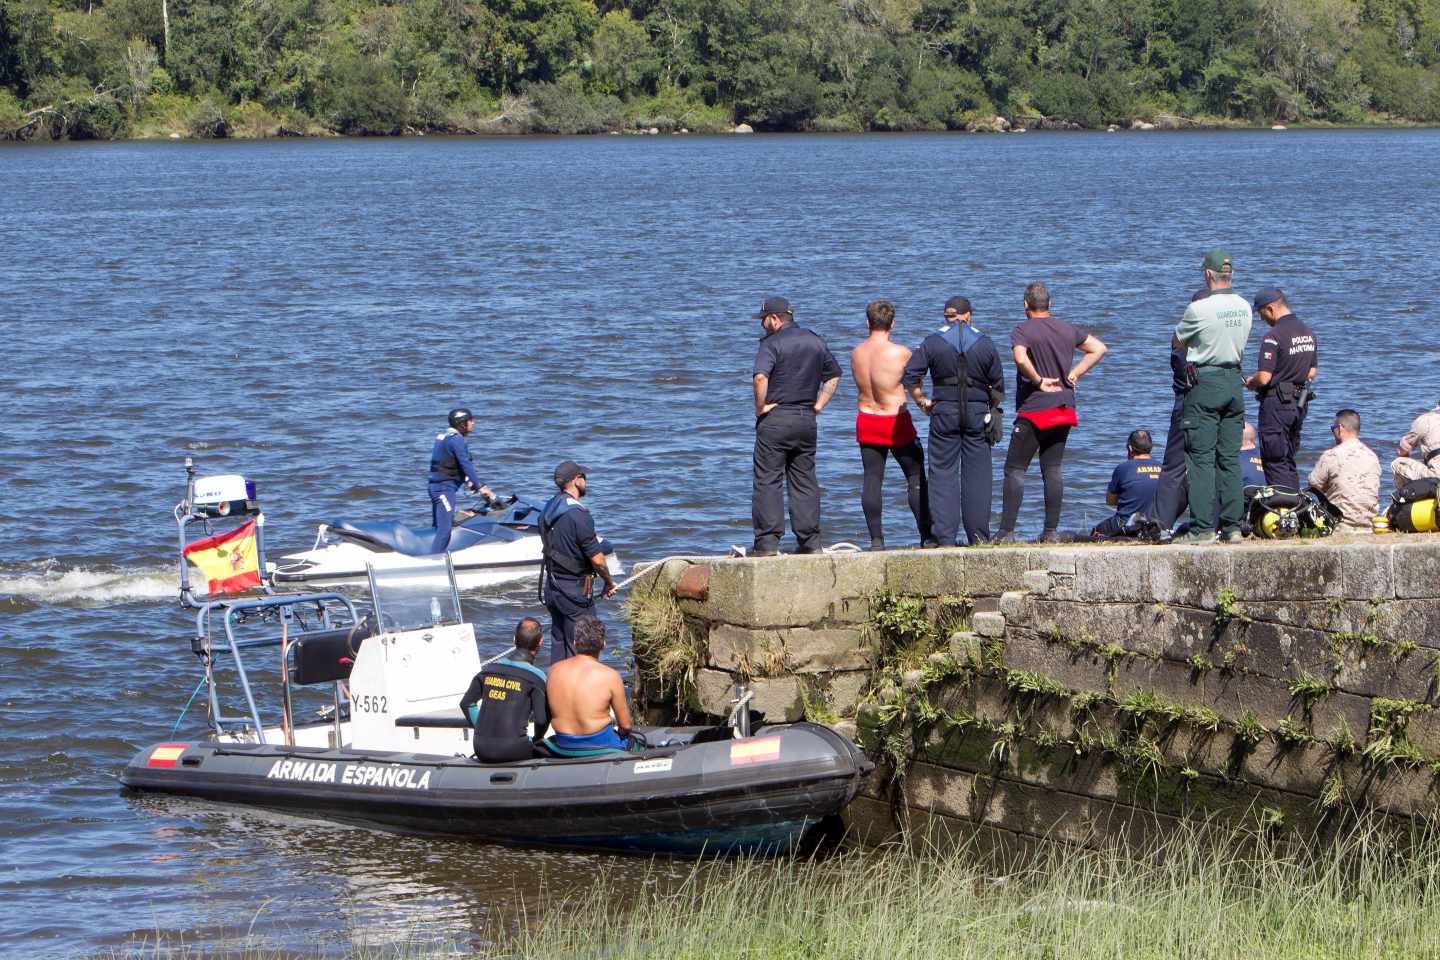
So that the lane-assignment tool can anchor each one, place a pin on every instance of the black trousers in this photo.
(1025, 442)
(565, 604)
(1279, 425)
(785, 461)
(961, 473)
(492, 750)
(1172, 493)
(912, 464)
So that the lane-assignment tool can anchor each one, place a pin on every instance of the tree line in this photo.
(209, 68)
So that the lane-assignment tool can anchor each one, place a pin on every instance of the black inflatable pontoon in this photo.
(761, 794)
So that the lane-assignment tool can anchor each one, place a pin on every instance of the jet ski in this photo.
(497, 543)
(388, 747)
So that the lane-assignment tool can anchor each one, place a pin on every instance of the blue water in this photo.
(305, 312)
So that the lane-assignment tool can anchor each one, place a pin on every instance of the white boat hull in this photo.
(344, 563)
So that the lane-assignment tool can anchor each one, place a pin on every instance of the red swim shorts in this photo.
(1054, 417)
(880, 430)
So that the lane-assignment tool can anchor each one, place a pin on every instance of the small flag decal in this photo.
(758, 750)
(165, 755)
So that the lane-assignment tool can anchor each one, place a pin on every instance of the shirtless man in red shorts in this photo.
(883, 425)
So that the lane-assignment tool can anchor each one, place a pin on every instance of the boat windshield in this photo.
(417, 595)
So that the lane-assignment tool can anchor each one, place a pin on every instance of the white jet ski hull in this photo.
(344, 563)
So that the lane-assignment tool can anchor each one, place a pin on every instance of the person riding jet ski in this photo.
(450, 466)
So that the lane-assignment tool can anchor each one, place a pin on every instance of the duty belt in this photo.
(1284, 392)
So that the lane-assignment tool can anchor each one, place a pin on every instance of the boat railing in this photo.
(287, 611)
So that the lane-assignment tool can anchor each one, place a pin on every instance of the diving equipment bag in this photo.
(1413, 507)
(1280, 515)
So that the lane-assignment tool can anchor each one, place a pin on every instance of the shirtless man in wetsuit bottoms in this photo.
(883, 425)
(582, 692)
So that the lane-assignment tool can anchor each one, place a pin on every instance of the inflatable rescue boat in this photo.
(382, 740)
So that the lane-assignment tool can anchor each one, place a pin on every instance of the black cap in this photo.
(776, 305)
(1268, 296)
(960, 305)
(568, 470)
(458, 416)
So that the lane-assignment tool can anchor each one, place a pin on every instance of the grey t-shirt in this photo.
(1215, 329)
(1051, 344)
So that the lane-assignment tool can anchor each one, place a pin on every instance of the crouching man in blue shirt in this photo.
(1132, 489)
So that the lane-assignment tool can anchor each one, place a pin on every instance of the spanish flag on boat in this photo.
(230, 561)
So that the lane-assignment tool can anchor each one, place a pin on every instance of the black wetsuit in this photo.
(502, 699)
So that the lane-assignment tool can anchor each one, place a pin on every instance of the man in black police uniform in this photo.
(1172, 493)
(795, 377)
(1287, 365)
(967, 383)
(507, 697)
(573, 558)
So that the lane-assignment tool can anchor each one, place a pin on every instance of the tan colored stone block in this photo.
(713, 691)
(1114, 573)
(989, 573)
(988, 624)
(1298, 572)
(1417, 567)
(926, 573)
(845, 690)
(1367, 570)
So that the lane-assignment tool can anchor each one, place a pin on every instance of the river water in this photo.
(305, 312)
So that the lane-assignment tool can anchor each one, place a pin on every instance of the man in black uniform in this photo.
(795, 377)
(506, 697)
(1287, 365)
(573, 558)
(1172, 494)
(967, 384)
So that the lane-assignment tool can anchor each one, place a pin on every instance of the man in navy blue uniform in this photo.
(450, 467)
(967, 383)
(1132, 488)
(1172, 496)
(506, 701)
(1287, 365)
(795, 377)
(573, 558)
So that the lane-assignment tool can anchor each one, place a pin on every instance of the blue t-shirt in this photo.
(1252, 474)
(1135, 482)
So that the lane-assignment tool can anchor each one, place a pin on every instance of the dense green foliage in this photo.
(109, 68)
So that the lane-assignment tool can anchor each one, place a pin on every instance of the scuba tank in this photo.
(1413, 507)
(1280, 515)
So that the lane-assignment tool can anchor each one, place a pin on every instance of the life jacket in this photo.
(1280, 514)
(1412, 509)
(962, 339)
(550, 514)
(444, 468)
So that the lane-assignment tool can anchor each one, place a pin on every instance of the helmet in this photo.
(459, 415)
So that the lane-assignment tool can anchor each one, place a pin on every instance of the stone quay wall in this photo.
(1085, 691)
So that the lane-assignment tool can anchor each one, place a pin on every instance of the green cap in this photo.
(1217, 261)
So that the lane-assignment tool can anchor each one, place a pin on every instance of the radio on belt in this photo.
(225, 495)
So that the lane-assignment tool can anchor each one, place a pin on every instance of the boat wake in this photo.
(58, 583)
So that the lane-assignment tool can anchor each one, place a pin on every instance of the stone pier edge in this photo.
(1099, 688)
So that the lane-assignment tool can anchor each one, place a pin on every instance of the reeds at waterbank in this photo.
(1192, 894)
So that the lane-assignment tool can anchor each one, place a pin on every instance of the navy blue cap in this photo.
(959, 305)
(568, 470)
(776, 305)
(1268, 296)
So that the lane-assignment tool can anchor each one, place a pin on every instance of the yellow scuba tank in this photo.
(1416, 517)
(1275, 515)
(1413, 510)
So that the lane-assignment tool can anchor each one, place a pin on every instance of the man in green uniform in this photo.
(1213, 332)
